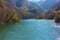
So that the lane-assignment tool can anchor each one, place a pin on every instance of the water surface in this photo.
(30, 29)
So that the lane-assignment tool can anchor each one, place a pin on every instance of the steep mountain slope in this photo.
(7, 12)
(56, 7)
(49, 3)
(51, 13)
(28, 9)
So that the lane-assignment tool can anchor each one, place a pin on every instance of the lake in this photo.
(30, 29)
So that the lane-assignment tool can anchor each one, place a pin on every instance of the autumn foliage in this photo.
(8, 12)
(57, 17)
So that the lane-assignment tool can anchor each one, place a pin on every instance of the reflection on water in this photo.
(5, 29)
(28, 30)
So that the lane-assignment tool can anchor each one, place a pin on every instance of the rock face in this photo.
(7, 12)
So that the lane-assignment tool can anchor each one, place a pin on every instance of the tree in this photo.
(7, 12)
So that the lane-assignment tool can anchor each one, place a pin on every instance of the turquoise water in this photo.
(30, 29)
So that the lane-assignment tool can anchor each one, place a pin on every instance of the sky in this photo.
(36, 0)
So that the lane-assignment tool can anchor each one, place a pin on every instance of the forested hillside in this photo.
(52, 12)
(7, 12)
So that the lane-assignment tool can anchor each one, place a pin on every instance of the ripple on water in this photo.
(29, 30)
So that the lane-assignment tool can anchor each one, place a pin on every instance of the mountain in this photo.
(8, 12)
(56, 7)
(27, 9)
(49, 3)
(41, 6)
(49, 14)
(52, 12)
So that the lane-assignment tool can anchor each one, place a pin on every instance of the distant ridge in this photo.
(50, 14)
(28, 9)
